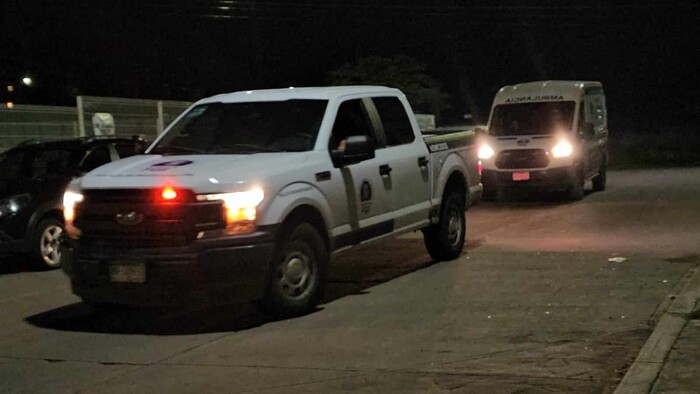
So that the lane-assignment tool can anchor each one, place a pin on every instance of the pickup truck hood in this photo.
(201, 173)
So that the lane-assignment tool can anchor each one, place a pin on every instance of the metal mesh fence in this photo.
(131, 116)
(36, 122)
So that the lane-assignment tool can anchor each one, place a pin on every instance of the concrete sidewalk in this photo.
(681, 371)
(670, 359)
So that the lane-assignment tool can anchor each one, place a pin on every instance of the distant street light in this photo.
(27, 81)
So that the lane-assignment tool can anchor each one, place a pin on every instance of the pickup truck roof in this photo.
(308, 93)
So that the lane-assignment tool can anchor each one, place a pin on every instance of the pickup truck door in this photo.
(405, 154)
(366, 190)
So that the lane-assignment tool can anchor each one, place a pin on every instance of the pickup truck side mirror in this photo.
(587, 132)
(357, 148)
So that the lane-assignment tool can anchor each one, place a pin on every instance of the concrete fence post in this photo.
(159, 124)
(81, 118)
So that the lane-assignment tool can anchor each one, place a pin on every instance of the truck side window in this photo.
(397, 126)
(351, 120)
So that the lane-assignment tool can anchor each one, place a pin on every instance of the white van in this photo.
(550, 135)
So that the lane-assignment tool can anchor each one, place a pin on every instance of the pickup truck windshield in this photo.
(245, 128)
(532, 118)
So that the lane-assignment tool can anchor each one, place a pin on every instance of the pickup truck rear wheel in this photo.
(445, 240)
(298, 272)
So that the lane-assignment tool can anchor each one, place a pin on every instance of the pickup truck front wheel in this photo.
(298, 272)
(445, 240)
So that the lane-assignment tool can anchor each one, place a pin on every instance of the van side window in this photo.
(397, 126)
(351, 120)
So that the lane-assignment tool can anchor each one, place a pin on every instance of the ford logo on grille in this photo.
(523, 142)
(129, 218)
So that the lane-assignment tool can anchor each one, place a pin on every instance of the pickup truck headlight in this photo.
(71, 199)
(11, 205)
(241, 208)
(562, 149)
(485, 152)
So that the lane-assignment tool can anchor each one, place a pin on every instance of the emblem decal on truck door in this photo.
(365, 197)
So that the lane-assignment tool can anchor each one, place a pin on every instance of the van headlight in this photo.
(485, 152)
(240, 208)
(562, 149)
(12, 205)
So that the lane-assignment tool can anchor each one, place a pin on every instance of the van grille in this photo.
(522, 158)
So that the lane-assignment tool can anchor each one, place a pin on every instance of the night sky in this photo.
(646, 55)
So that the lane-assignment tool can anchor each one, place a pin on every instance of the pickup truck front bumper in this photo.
(208, 272)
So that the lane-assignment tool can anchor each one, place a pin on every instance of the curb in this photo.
(642, 374)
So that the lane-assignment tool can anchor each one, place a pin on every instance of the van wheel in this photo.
(599, 181)
(576, 186)
(445, 240)
(46, 244)
(298, 271)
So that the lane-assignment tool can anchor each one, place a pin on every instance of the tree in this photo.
(402, 72)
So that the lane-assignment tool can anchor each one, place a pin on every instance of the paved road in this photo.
(534, 305)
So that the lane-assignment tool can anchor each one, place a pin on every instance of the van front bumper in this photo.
(548, 179)
(206, 273)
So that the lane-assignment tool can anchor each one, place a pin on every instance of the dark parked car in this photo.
(33, 177)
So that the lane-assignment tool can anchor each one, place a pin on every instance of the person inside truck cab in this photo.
(350, 121)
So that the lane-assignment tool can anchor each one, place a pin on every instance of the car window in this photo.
(397, 127)
(95, 158)
(50, 163)
(13, 164)
(126, 149)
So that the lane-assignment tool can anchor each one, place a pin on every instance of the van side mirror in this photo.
(358, 148)
(587, 131)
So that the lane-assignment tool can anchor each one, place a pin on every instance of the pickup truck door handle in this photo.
(384, 169)
(422, 162)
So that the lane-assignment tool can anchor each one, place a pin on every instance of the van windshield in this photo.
(532, 118)
(245, 128)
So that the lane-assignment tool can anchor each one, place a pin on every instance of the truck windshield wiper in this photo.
(174, 149)
(236, 148)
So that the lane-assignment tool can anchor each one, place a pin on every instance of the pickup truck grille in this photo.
(154, 224)
(522, 158)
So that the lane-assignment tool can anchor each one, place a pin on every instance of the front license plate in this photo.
(521, 176)
(127, 272)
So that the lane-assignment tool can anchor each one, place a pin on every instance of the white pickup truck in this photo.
(247, 195)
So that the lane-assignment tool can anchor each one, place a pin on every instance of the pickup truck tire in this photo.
(445, 240)
(46, 244)
(599, 181)
(297, 274)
